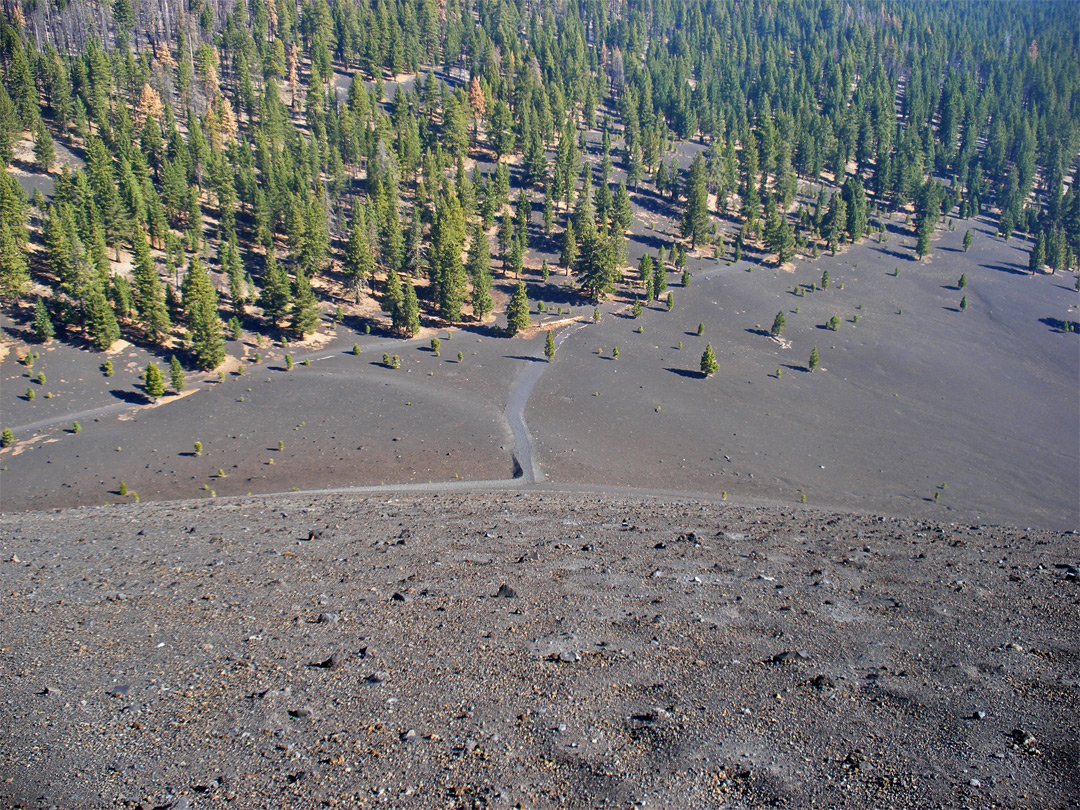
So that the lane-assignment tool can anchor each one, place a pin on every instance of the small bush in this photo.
(107, 368)
(7, 438)
(198, 448)
(356, 348)
(41, 378)
(30, 394)
(76, 428)
(386, 360)
(123, 488)
(288, 362)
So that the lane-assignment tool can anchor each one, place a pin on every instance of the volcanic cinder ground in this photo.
(533, 649)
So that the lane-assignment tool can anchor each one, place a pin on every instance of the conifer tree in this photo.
(517, 312)
(101, 328)
(568, 257)
(392, 295)
(406, 317)
(549, 346)
(709, 366)
(478, 268)
(696, 219)
(149, 295)
(622, 213)
(14, 272)
(275, 296)
(304, 315)
(153, 381)
(201, 303)
(778, 325)
(43, 327)
(815, 360)
(645, 271)
(176, 374)
(1037, 257)
(359, 260)
(44, 152)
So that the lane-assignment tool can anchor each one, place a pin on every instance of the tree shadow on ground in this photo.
(650, 241)
(793, 367)
(525, 357)
(131, 397)
(1013, 269)
(684, 372)
(483, 329)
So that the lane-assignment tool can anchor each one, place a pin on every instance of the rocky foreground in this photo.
(535, 650)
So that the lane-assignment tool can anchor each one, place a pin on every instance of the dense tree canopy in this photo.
(222, 133)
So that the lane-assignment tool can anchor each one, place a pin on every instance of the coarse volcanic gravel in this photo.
(533, 649)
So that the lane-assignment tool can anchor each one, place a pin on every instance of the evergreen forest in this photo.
(221, 167)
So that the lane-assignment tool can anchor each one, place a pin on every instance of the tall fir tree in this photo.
(517, 311)
(304, 314)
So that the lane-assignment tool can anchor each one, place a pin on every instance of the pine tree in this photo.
(967, 240)
(43, 327)
(391, 295)
(153, 381)
(44, 152)
(304, 316)
(406, 317)
(478, 268)
(1038, 254)
(549, 346)
(622, 213)
(815, 360)
(14, 273)
(201, 303)
(659, 282)
(275, 296)
(709, 366)
(568, 257)
(176, 375)
(645, 271)
(517, 312)
(778, 325)
(101, 325)
(149, 295)
(696, 219)
(359, 260)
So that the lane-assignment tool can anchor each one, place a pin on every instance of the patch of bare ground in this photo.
(538, 649)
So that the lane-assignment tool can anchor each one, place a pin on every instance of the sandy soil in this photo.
(533, 650)
(914, 395)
